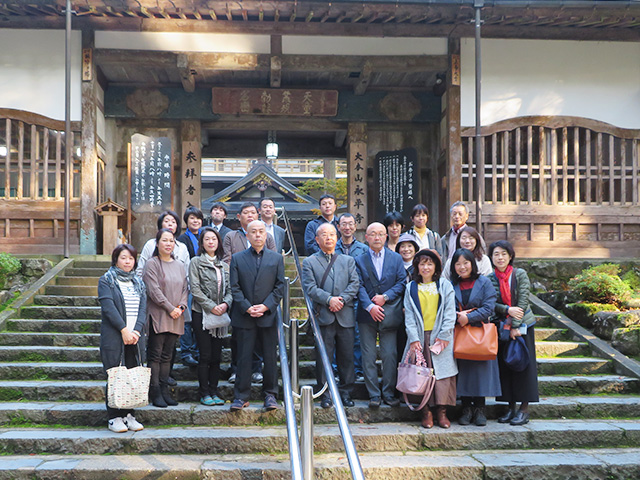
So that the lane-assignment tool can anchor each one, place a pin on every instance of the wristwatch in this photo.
(386, 297)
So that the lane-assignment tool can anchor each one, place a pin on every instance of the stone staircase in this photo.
(53, 420)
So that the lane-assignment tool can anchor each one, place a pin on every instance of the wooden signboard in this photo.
(191, 181)
(270, 101)
(358, 183)
(150, 174)
(396, 175)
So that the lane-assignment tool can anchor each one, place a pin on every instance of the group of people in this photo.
(404, 292)
(401, 292)
(193, 288)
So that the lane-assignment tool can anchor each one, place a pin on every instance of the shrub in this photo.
(601, 284)
(632, 278)
(9, 265)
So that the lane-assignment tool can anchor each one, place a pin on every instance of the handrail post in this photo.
(306, 432)
(293, 355)
(293, 335)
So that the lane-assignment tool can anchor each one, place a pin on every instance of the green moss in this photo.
(10, 395)
(31, 357)
(591, 308)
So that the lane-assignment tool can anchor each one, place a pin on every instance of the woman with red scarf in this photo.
(512, 286)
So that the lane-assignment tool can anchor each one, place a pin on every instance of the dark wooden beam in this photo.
(365, 78)
(187, 74)
(263, 62)
(276, 72)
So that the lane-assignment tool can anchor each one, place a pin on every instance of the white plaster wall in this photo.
(598, 80)
(32, 64)
(291, 44)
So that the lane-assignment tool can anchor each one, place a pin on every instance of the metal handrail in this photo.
(343, 424)
(292, 427)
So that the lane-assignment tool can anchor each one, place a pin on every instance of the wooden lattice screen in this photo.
(561, 182)
(32, 183)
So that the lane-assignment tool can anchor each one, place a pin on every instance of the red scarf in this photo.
(505, 288)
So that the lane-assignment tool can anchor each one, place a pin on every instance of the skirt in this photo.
(520, 386)
(478, 379)
(444, 393)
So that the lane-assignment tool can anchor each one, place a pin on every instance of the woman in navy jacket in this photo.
(123, 302)
(475, 303)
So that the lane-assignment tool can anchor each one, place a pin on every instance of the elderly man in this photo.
(382, 283)
(257, 285)
(459, 216)
(331, 280)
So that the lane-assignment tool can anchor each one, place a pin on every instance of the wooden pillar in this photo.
(357, 174)
(89, 158)
(453, 141)
(190, 183)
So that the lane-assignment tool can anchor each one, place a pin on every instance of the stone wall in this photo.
(31, 269)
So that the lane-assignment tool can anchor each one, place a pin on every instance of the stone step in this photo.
(104, 264)
(38, 353)
(60, 325)
(482, 464)
(194, 414)
(50, 339)
(187, 390)
(573, 366)
(67, 370)
(77, 281)
(67, 300)
(562, 349)
(36, 311)
(85, 271)
(71, 290)
(552, 334)
(380, 437)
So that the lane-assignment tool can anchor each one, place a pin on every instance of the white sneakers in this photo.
(117, 425)
(121, 425)
(131, 422)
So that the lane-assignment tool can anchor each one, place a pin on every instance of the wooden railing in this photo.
(558, 186)
(32, 183)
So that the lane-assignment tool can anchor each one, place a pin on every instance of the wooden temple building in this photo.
(333, 81)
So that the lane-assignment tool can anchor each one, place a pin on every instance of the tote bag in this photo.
(415, 379)
(128, 388)
(476, 343)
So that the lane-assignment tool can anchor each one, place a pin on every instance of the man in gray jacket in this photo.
(331, 280)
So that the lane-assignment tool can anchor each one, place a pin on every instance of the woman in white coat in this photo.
(430, 317)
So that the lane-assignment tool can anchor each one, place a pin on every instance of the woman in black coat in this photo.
(123, 303)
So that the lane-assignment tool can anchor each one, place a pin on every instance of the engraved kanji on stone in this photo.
(191, 157)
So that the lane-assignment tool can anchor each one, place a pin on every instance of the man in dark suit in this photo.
(382, 284)
(236, 240)
(267, 209)
(257, 285)
(218, 214)
(331, 280)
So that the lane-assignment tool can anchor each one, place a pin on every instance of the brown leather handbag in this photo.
(475, 343)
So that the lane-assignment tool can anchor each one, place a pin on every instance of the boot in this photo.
(441, 413)
(465, 419)
(156, 397)
(166, 395)
(479, 418)
(427, 417)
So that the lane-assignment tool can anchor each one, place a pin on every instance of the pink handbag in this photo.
(415, 379)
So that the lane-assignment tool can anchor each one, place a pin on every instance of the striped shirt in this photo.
(131, 303)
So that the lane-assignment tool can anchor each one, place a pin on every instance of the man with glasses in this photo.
(380, 301)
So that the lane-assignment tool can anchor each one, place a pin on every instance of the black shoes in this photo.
(270, 402)
(166, 395)
(506, 418)
(479, 418)
(326, 402)
(391, 401)
(238, 405)
(465, 418)
(189, 361)
(347, 402)
(156, 397)
(521, 418)
(374, 402)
